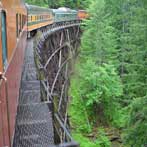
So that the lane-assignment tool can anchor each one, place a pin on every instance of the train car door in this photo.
(4, 38)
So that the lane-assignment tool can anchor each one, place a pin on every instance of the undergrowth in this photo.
(82, 128)
(87, 125)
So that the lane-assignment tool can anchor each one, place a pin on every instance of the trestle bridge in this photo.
(42, 117)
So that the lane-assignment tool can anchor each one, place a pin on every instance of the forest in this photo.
(76, 4)
(109, 84)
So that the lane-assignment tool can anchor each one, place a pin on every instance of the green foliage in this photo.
(84, 141)
(77, 110)
(112, 80)
(43, 3)
(120, 116)
(103, 140)
(100, 86)
(75, 4)
(136, 134)
(79, 119)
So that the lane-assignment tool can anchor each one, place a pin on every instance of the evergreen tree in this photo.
(74, 4)
(116, 33)
(136, 134)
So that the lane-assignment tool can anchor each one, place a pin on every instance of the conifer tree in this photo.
(116, 33)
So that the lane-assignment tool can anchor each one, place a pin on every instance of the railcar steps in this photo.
(34, 126)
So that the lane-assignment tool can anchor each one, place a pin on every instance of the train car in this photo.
(64, 14)
(13, 34)
(82, 14)
(38, 17)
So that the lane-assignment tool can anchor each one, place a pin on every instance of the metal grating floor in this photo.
(34, 126)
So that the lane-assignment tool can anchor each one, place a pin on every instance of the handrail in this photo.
(2, 77)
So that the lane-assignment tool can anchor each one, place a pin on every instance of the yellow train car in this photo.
(38, 17)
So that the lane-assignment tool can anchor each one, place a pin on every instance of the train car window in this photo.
(32, 18)
(29, 18)
(20, 23)
(4, 38)
(23, 16)
(23, 20)
(17, 24)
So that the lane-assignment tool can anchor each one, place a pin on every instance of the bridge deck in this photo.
(34, 126)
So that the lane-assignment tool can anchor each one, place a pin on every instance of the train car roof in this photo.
(64, 10)
(37, 9)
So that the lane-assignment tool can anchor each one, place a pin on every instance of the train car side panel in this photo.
(82, 14)
(38, 17)
(16, 42)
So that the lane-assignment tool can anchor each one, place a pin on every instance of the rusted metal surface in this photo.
(12, 71)
(2, 77)
(11, 8)
(13, 75)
